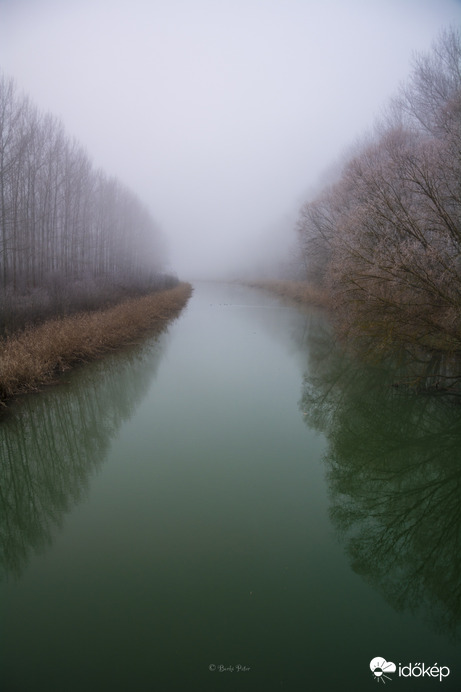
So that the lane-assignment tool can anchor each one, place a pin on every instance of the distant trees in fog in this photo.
(69, 234)
(385, 239)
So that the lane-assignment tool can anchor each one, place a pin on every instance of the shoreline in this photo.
(37, 355)
(298, 291)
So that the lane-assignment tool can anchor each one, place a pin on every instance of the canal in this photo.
(236, 505)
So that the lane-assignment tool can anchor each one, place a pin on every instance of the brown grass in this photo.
(37, 354)
(299, 291)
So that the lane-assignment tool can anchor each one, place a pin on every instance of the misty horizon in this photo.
(220, 117)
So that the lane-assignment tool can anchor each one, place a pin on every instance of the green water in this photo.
(237, 493)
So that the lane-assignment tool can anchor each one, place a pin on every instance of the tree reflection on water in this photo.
(394, 472)
(50, 445)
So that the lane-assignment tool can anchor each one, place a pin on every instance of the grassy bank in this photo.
(299, 291)
(34, 356)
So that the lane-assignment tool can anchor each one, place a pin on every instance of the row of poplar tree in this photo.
(66, 228)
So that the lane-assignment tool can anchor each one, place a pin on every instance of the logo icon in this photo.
(380, 667)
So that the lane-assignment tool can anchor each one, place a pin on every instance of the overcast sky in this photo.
(221, 115)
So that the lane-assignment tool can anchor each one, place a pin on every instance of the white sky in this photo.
(219, 114)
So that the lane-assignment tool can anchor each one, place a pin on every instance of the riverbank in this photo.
(299, 291)
(428, 370)
(36, 355)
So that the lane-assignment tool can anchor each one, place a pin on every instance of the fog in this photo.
(221, 115)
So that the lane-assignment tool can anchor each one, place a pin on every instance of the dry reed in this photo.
(34, 356)
(299, 291)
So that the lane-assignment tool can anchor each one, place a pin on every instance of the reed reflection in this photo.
(50, 444)
(394, 470)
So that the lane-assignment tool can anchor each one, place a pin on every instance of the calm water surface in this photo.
(234, 506)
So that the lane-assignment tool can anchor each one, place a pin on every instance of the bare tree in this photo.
(386, 238)
(65, 228)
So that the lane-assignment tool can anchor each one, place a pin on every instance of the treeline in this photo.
(384, 240)
(71, 237)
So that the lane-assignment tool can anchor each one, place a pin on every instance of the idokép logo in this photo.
(381, 669)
